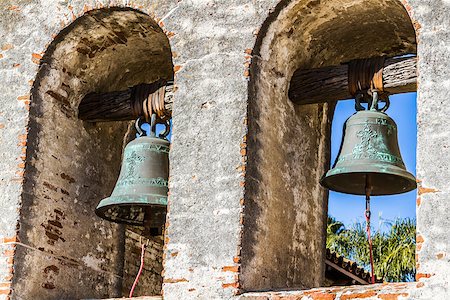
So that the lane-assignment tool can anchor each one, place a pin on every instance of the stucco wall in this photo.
(212, 44)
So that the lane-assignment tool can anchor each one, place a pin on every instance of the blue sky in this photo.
(349, 208)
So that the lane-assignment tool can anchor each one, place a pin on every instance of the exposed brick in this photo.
(230, 285)
(175, 280)
(9, 277)
(423, 190)
(6, 47)
(367, 294)
(230, 269)
(9, 239)
(422, 275)
(391, 296)
(177, 68)
(14, 8)
(322, 296)
(24, 97)
(419, 239)
(36, 58)
(9, 253)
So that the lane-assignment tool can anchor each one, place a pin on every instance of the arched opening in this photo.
(283, 244)
(72, 164)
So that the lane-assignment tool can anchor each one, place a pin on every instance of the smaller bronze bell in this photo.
(369, 153)
(140, 194)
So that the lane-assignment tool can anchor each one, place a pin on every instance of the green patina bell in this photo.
(369, 150)
(140, 195)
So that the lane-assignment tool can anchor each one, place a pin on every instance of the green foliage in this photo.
(393, 250)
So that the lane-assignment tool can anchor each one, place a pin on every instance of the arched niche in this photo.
(71, 164)
(283, 244)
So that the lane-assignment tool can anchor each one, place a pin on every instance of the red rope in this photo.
(372, 277)
(139, 272)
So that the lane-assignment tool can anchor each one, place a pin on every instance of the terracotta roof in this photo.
(348, 267)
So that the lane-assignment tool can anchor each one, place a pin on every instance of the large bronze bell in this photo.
(140, 195)
(369, 155)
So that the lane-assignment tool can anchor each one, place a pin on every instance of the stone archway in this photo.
(288, 145)
(71, 164)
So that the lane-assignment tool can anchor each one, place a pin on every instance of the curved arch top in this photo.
(337, 31)
(107, 50)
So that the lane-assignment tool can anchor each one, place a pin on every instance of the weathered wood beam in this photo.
(115, 106)
(331, 83)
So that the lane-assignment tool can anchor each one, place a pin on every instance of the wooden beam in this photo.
(331, 83)
(116, 106)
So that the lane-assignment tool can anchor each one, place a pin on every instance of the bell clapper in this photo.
(368, 190)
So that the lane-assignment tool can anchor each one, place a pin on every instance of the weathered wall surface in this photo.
(212, 44)
(433, 149)
(288, 145)
(69, 166)
(15, 73)
(285, 207)
(62, 249)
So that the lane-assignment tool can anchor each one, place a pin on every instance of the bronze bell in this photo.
(140, 195)
(369, 153)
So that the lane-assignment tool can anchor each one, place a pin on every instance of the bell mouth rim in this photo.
(408, 178)
(101, 209)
